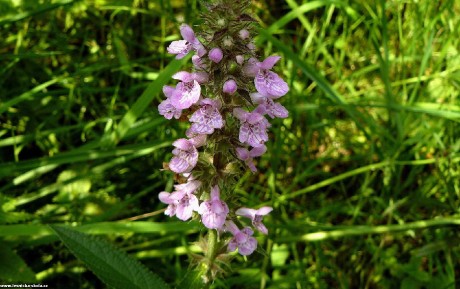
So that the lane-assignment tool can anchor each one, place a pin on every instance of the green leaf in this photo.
(13, 268)
(113, 266)
(193, 279)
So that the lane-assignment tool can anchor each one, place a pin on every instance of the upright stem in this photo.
(211, 255)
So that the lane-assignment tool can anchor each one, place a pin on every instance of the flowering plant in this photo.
(226, 98)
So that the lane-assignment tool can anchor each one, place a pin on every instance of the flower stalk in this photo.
(227, 98)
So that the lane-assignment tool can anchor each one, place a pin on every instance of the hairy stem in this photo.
(211, 255)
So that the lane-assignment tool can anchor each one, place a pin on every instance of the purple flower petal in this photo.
(240, 114)
(187, 33)
(242, 153)
(269, 83)
(166, 109)
(264, 211)
(258, 151)
(251, 68)
(200, 77)
(269, 62)
(246, 212)
(183, 144)
(185, 156)
(242, 240)
(183, 76)
(186, 94)
(214, 211)
(206, 118)
(180, 48)
(168, 90)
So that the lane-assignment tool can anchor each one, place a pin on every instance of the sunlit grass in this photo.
(367, 165)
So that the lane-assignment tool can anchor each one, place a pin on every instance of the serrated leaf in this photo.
(113, 266)
(13, 268)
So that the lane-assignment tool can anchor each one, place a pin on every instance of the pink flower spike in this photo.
(256, 217)
(214, 211)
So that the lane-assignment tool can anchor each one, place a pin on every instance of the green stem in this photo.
(211, 255)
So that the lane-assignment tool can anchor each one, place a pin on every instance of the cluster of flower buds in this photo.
(226, 98)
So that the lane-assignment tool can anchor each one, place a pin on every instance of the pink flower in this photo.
(267, 82)
(273, 109)
(182, 202)
(256, 217)
(214, 211)
(243, 33)
(188, 91)
(185, 156)
(247, 156)
(207, 118)
(241, 240)
(190, 42)
(253, 129)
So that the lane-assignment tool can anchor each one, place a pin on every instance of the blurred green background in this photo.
(364, 175)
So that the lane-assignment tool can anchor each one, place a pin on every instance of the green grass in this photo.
(364, 175)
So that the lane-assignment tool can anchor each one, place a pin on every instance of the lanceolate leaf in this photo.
(13, 268)
(111, 265)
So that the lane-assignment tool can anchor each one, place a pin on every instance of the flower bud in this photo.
(230, 86)
(239, 59)
(216, 55)
(228, 41)
(251, 46)
(221, 22)
(243, 34)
